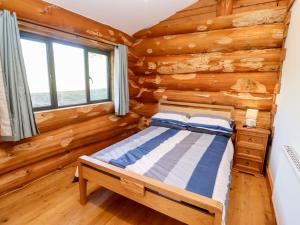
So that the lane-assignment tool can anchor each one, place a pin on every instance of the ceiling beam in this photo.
(224, 7)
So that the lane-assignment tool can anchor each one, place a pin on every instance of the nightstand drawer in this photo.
(250, 152)
(245, 144)
(248, 165)
(261, 140)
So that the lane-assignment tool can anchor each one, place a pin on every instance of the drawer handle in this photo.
(250, 139)
(247, 163)
(248, 151)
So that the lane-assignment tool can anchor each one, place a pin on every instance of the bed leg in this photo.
(82, 186)
(218, 218)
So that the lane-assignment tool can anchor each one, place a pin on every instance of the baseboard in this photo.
(269, 179)
(270, 185)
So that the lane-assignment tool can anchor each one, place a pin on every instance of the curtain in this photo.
(5, 120)
(17, 118)
(121, 93)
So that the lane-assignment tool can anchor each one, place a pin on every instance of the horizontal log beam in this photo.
(238, 100)
(132, 75)
(266, 60)
(13, 156)
(132, 56)
(134, 88)
(262, 82)
(63, 36)
(147, 110)
(143, 109)
(211, 9)
(54, 119)
(24, 175)
(255, 37)
(46, 14)
(241, 6)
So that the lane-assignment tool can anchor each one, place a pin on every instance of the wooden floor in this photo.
(53, 200)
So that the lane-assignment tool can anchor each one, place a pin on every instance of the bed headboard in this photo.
(196, 108)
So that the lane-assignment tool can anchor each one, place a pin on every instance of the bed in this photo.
(180, 173)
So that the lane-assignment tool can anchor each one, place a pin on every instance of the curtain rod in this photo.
(101, 40)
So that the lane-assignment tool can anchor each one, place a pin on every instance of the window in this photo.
(70, 74)
(97, 82)
(62, 74)
(35, 57)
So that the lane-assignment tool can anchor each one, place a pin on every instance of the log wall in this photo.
(67, 133)
(208, 9)
(202, 54)
(225, 52)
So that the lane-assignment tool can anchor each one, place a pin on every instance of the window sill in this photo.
(76, 107)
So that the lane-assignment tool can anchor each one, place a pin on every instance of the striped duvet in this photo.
(197, 162)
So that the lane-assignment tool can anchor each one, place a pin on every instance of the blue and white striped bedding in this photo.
(197, 162)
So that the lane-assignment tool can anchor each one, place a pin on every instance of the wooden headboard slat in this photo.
(195, 108)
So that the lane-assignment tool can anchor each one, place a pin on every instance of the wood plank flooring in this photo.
(53, 200)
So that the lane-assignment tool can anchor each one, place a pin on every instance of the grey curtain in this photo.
(121, 93)
(16, 114)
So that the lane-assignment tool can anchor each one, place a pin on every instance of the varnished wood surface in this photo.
(147, 195)
(250, 149)
(175, 65)
(67, 138)
(250, 201)
(70, 132)
(52, 16)
(224, 7)
(193, 24)
(53, 200)
(146, 110)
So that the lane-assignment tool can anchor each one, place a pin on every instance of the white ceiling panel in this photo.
(129, 16)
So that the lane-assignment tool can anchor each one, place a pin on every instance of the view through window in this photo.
(62, 74)
(35, 57)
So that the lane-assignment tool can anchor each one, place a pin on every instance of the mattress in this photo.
(197, 162)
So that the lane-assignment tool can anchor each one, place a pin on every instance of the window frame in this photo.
(51, 70)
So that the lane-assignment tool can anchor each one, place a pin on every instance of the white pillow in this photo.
(212, 123)
(170, 119)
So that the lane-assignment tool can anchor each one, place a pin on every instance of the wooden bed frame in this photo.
(182, 205)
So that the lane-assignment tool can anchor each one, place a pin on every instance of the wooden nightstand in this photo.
(250, 150)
